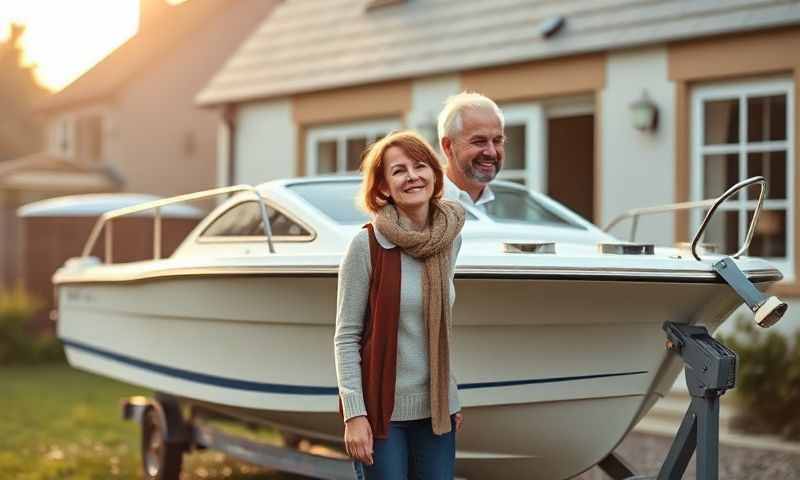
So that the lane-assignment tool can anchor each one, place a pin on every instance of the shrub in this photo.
(767, 389)
(17, 343)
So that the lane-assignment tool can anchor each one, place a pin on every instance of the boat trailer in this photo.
(710, 370)
(166, 435)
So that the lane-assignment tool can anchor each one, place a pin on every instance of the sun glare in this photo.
(63, 39)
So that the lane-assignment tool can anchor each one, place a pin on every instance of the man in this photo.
(471, 137)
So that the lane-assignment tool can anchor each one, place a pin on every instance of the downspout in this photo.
(227, 145)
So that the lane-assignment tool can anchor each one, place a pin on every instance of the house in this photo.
(19, 127)
(130, 123)
(319, 80)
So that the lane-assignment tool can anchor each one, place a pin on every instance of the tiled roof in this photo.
(105, 78)
(311, 45)
(45, 171)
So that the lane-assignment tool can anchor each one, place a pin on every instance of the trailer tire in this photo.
(161, 460)
(291, 440)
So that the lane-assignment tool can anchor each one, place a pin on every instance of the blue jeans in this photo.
(411, 451)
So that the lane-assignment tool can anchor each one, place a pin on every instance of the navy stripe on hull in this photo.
(250, 386)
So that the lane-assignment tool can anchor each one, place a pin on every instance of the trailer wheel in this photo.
(161, 460)
(291, 440)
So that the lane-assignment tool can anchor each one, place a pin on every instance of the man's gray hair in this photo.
(450, 122)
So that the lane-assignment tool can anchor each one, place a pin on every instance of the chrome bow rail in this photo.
(713, 203)
(719, 201)
(635, 213)
(104, 225)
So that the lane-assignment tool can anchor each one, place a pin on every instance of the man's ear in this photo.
(447, 148)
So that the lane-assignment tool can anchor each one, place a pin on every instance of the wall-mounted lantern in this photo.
(644, 114)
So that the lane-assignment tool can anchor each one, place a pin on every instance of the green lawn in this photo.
(60, 423)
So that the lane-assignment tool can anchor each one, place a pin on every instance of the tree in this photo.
(20, 130)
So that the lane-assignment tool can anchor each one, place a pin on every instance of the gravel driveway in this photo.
(646, 452)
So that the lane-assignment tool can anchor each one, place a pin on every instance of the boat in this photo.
(558, 342)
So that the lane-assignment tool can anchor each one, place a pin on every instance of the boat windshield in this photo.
(516, 205)
(336, 199)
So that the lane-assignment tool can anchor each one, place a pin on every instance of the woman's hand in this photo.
(459, 417)
(358, 439)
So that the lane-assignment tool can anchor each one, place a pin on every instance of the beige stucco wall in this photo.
(427, 98)
(265, 142)
(638, 167)
(166, 144)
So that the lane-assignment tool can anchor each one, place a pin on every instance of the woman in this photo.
(392, 342)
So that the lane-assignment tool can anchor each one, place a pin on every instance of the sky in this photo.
(64, 38)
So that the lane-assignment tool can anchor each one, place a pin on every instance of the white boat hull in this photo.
(551, 378)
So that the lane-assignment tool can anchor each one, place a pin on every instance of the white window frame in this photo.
(532, 116)
(741, 91)
(340, 133)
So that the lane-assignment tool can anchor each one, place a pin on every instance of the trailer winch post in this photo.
(710, 369)
(710, 372)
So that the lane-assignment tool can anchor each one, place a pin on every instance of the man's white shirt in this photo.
(452, 192)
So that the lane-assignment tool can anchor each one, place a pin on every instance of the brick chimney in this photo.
(150, 11)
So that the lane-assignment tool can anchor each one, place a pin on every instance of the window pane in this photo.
(282, 226)
(772, 165)
(515, 147)
(720, 172)
(721, 122)
(723, 231)
(355, 149)
(326, 157)
(428, 132)
(769, 239)
(244, 220)
(766, 118)
(241, 220)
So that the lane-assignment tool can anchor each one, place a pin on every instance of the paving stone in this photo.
(646, 452)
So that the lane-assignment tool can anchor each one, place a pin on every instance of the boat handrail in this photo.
(104, 224)
(721, 199)
(713, 203)
(635, 213)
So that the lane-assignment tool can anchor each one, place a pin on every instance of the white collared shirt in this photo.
(452, 192)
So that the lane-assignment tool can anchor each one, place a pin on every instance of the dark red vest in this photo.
(379, 339)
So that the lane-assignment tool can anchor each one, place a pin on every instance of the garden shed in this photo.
(57, 229)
